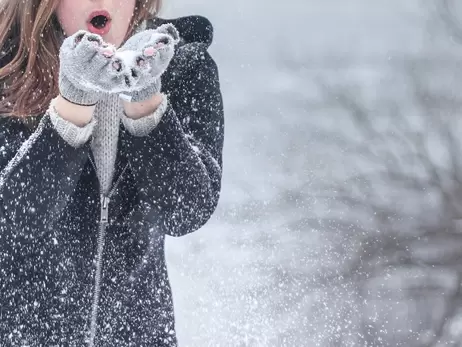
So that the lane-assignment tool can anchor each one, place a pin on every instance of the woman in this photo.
(111, 137)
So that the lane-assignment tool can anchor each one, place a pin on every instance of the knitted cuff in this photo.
(144, 125)
(77, 96)
(74, 135)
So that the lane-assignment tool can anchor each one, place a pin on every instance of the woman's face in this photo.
(108, 18)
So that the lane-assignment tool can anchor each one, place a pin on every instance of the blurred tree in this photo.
(451, 14)
(398, 218)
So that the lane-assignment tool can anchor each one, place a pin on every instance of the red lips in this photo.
(99, 22)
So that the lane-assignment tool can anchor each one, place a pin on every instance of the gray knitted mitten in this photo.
(148, 55)
(88, 68)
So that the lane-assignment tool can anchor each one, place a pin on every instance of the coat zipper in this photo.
(103, 222)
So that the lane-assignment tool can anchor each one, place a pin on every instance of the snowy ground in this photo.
(246, 279)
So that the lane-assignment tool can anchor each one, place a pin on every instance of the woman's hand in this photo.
(87, 68)
(148, 53)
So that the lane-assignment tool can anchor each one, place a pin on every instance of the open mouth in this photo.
(99, 22)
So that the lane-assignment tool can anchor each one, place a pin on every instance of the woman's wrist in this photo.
(77, 114)
(136, 110)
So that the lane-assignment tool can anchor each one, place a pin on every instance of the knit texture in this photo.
(155, 49)
(104, 131)
(77, 96)
(104, 140)
(73, 134)
(86, 68)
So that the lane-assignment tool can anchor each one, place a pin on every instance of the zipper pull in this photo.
(104, 209)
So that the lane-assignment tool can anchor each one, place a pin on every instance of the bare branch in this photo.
(447, 11)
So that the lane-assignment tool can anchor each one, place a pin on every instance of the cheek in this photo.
(66, 13)
(121, 19)
(126, 10)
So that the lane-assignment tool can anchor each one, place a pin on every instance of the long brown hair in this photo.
(30, 38)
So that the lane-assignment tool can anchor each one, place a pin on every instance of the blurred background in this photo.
(340, 221)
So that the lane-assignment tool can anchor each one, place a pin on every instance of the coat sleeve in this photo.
(38, 173)
(178, 165)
